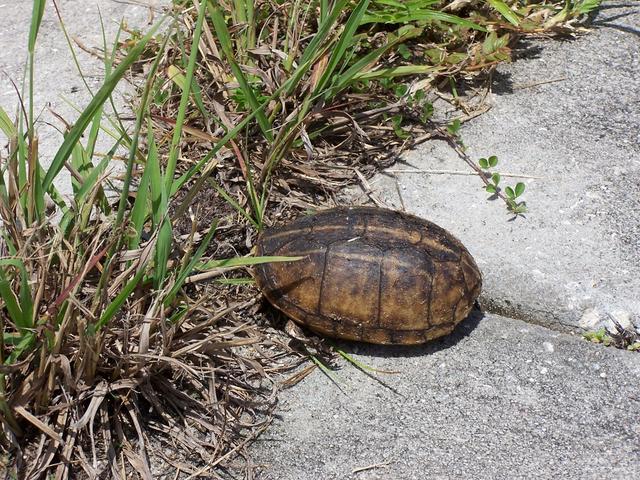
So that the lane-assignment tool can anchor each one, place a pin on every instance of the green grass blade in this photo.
(114, 307)
(21, 313)
(345, 42)
(96, 103)
(324, 10)
(361, 65)
(324, 29)
(505, 11)
(36, 20)
(334, 378)
(11, 302)
(133, 146)
(53, 192)
(399, 5)
(397, 72)
(96, 122)
(70, 216)
(80, 165)
(6, 125)
(234, 204)
(162, 252)
(184, 100)
(184, 273)
(85, 188)
(244, 262)
(420, 15)
(361, 365)
(155, 178)
(220, 26)
(25, 344)
(159, 208)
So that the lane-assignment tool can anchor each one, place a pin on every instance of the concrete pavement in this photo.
(498, 399)
(501, 398)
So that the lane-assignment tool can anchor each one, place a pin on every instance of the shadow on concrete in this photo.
(462, 331)
(501, 83)
(608, 22)
(526, 49)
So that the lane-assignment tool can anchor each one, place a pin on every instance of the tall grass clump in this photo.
(104, 338)
(339, 88)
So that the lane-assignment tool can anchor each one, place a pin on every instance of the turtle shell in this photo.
(369, 274)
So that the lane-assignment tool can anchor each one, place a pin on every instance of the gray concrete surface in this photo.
(499, 399)
(575, 259)
(58, 85)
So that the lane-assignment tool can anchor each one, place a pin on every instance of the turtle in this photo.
(369, 274)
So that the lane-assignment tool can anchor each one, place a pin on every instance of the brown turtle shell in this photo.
(369, 274)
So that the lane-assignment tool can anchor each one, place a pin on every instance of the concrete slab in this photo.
(58, 86)
(575, 259)
(502, 398)
(499, 399)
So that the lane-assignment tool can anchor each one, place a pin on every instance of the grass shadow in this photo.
(607, 22)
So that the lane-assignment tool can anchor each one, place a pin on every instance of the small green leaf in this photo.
(400, 90)
(505, 11)
(519, 189)
(489, 45)
(454, 127)
(397, 127)
(404, 51)
(493, 161)
(483, 163)
(510, 193)
(517, 208)
(490, 189)
(495, 178)
(427, 111)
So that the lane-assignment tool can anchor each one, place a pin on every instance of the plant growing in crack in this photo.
(484, 168)
(512, 194)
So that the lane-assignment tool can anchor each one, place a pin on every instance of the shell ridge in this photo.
(432, 276)
(322, 277)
